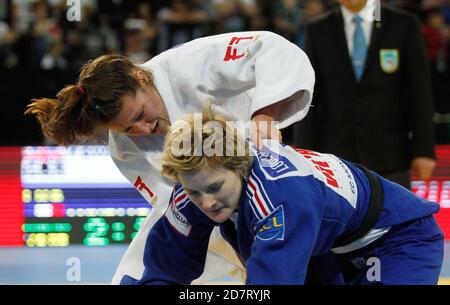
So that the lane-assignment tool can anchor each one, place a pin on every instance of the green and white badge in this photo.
(389, 60)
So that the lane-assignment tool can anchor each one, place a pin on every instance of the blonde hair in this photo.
(195, 156)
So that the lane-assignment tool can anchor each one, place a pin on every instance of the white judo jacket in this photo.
(238, 73)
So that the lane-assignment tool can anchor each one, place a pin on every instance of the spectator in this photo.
(90, 37)
(44, 28)
(135, 48)
(287, 18)
(8, 38)
(236, 15)
(183, 21)
(446, 11)
(436, 34)
(54, 68)
(312, 9)
(148, 28)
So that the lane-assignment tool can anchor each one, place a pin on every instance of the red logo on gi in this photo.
(232, 51)
(322, 166)
(141, 186)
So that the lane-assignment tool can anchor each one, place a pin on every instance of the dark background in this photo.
(41, 51)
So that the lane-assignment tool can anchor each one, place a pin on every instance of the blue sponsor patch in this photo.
(271, 227)
(274, 164)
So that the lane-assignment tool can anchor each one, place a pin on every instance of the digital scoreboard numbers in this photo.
(77, 195)
(89, 231)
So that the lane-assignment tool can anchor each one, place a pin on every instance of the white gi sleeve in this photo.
(263, 64)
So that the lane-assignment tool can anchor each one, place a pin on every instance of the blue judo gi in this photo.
(295, 206)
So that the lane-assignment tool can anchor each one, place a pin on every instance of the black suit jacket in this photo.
(384, 120)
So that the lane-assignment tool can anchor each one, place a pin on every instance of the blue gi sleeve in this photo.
(175, 250)
(288, 220)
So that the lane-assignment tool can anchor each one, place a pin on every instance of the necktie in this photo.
(359, 47)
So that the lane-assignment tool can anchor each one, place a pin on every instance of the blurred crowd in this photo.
(41, 50)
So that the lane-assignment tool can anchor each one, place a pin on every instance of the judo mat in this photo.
(97, 265)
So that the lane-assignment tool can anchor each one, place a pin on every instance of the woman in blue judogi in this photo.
(283, 209)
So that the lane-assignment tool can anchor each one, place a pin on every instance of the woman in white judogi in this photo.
(256, 76)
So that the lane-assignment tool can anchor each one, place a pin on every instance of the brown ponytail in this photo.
(79, 110)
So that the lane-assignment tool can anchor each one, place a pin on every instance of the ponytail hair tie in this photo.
(81, 89)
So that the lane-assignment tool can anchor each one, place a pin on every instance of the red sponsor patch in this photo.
(232, 51)
(322, 166)
(141, 186)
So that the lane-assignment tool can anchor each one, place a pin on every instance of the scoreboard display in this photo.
(67, 196)
(54, 196)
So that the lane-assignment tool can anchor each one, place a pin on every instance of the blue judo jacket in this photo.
(294, 206)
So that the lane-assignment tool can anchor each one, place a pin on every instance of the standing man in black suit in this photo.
(373, 100)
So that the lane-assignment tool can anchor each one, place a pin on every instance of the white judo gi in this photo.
(238, 73)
